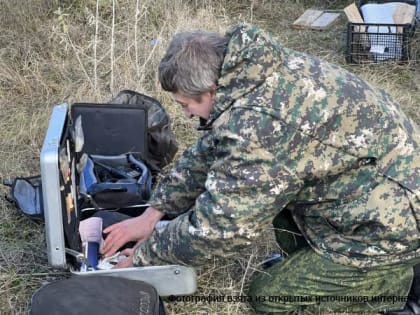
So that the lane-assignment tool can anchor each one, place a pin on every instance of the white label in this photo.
(379, 49)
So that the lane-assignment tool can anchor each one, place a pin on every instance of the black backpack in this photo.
(161, 142)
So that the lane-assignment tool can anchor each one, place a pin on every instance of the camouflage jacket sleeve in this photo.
(244, 188)
(176, 193)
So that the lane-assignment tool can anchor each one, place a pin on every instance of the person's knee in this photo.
(266, 296)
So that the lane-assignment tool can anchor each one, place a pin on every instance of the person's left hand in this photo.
(126, 262)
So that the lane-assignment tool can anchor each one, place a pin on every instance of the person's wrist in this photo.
(152, 216)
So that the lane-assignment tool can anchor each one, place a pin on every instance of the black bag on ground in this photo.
(26, 195)
(86, 295)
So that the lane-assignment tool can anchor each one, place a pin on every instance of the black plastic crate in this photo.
(374, 43)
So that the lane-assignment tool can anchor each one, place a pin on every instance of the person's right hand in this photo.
(137, 229)
(127, 261)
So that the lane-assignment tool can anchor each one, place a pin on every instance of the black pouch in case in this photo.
(114, 182)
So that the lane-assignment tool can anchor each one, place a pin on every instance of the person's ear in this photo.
(213, 88)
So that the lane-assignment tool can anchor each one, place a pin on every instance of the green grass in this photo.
(68, 51)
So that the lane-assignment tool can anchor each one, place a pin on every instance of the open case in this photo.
(108, 129)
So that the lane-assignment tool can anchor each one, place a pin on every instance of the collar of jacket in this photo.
(251, 57)
(202, 126)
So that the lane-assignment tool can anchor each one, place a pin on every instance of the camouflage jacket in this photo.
(290, 130)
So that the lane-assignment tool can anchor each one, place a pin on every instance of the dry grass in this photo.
(53, 51)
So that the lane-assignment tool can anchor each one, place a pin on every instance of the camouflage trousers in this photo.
(307, 283)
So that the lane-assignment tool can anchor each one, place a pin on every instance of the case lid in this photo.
(112, 129)
(167, 280)
(52, 196)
